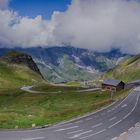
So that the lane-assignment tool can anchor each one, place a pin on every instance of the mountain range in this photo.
(62, 64)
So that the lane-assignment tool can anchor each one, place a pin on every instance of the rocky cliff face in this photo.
(15, 57)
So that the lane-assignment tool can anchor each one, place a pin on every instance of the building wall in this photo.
(113, 88)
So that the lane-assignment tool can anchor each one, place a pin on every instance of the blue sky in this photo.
(32, 8)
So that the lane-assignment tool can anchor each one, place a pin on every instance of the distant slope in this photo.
(15, 57)
(84, 64)
(67, 71)
(127, 70)
(13, 75)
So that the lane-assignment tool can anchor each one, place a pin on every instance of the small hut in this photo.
(113, 85)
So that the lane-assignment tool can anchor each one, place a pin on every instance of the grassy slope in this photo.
(18, 108)
(127, 70)
(13, 54)
(14, 76)
(73, 83)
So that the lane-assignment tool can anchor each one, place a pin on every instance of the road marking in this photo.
(112, 109)
(94, 113)
(108, 111)
(125, 105)
(115, 138)
(127, 114)
(61, 125)
(93, 134)
(79, 121)
(63, 129)
(78, 135)
(132, 109)
(37, 138)
(74, 132)
(97, 125)
(112, 119)
(88, 119)
(137, 89)
(124, 99)
(115, 124)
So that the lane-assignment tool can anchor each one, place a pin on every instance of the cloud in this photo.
(4, 4)
(24, 31)
(99, 25)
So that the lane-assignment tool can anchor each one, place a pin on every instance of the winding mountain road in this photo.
(102, 125)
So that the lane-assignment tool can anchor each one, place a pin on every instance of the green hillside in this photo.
(127, 70)
(51, 104)
(13, 54)
(67, 70)
(13, 76)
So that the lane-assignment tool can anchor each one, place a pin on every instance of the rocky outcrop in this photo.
(15, 57)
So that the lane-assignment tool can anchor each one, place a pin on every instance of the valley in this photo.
(69, 69)
(52, 103)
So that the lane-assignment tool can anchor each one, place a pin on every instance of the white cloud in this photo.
(96, 24)
(101, 24)
(24, 31)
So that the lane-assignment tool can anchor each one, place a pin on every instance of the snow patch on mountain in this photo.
(77, 59)
(88, 68)
(119, 60)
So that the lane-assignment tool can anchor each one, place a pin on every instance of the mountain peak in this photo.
(13, 54)
(20, 58)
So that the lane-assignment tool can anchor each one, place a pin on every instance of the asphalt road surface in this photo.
(103, 125)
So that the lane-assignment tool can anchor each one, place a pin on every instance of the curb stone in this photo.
(130, 131)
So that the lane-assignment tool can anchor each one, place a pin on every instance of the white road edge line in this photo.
(78, 135)
(127, 114)
(87, 119)
(132, 109)
(108, 111)
(120, 102)
(93, 134)
(115, 138)
(115, 124)
(111, 119)
(97, 125)
(112, 109)
(125, 98)
(37, 138)
(64, 125)
(74, 132)
(125, 105)
(63, 129)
